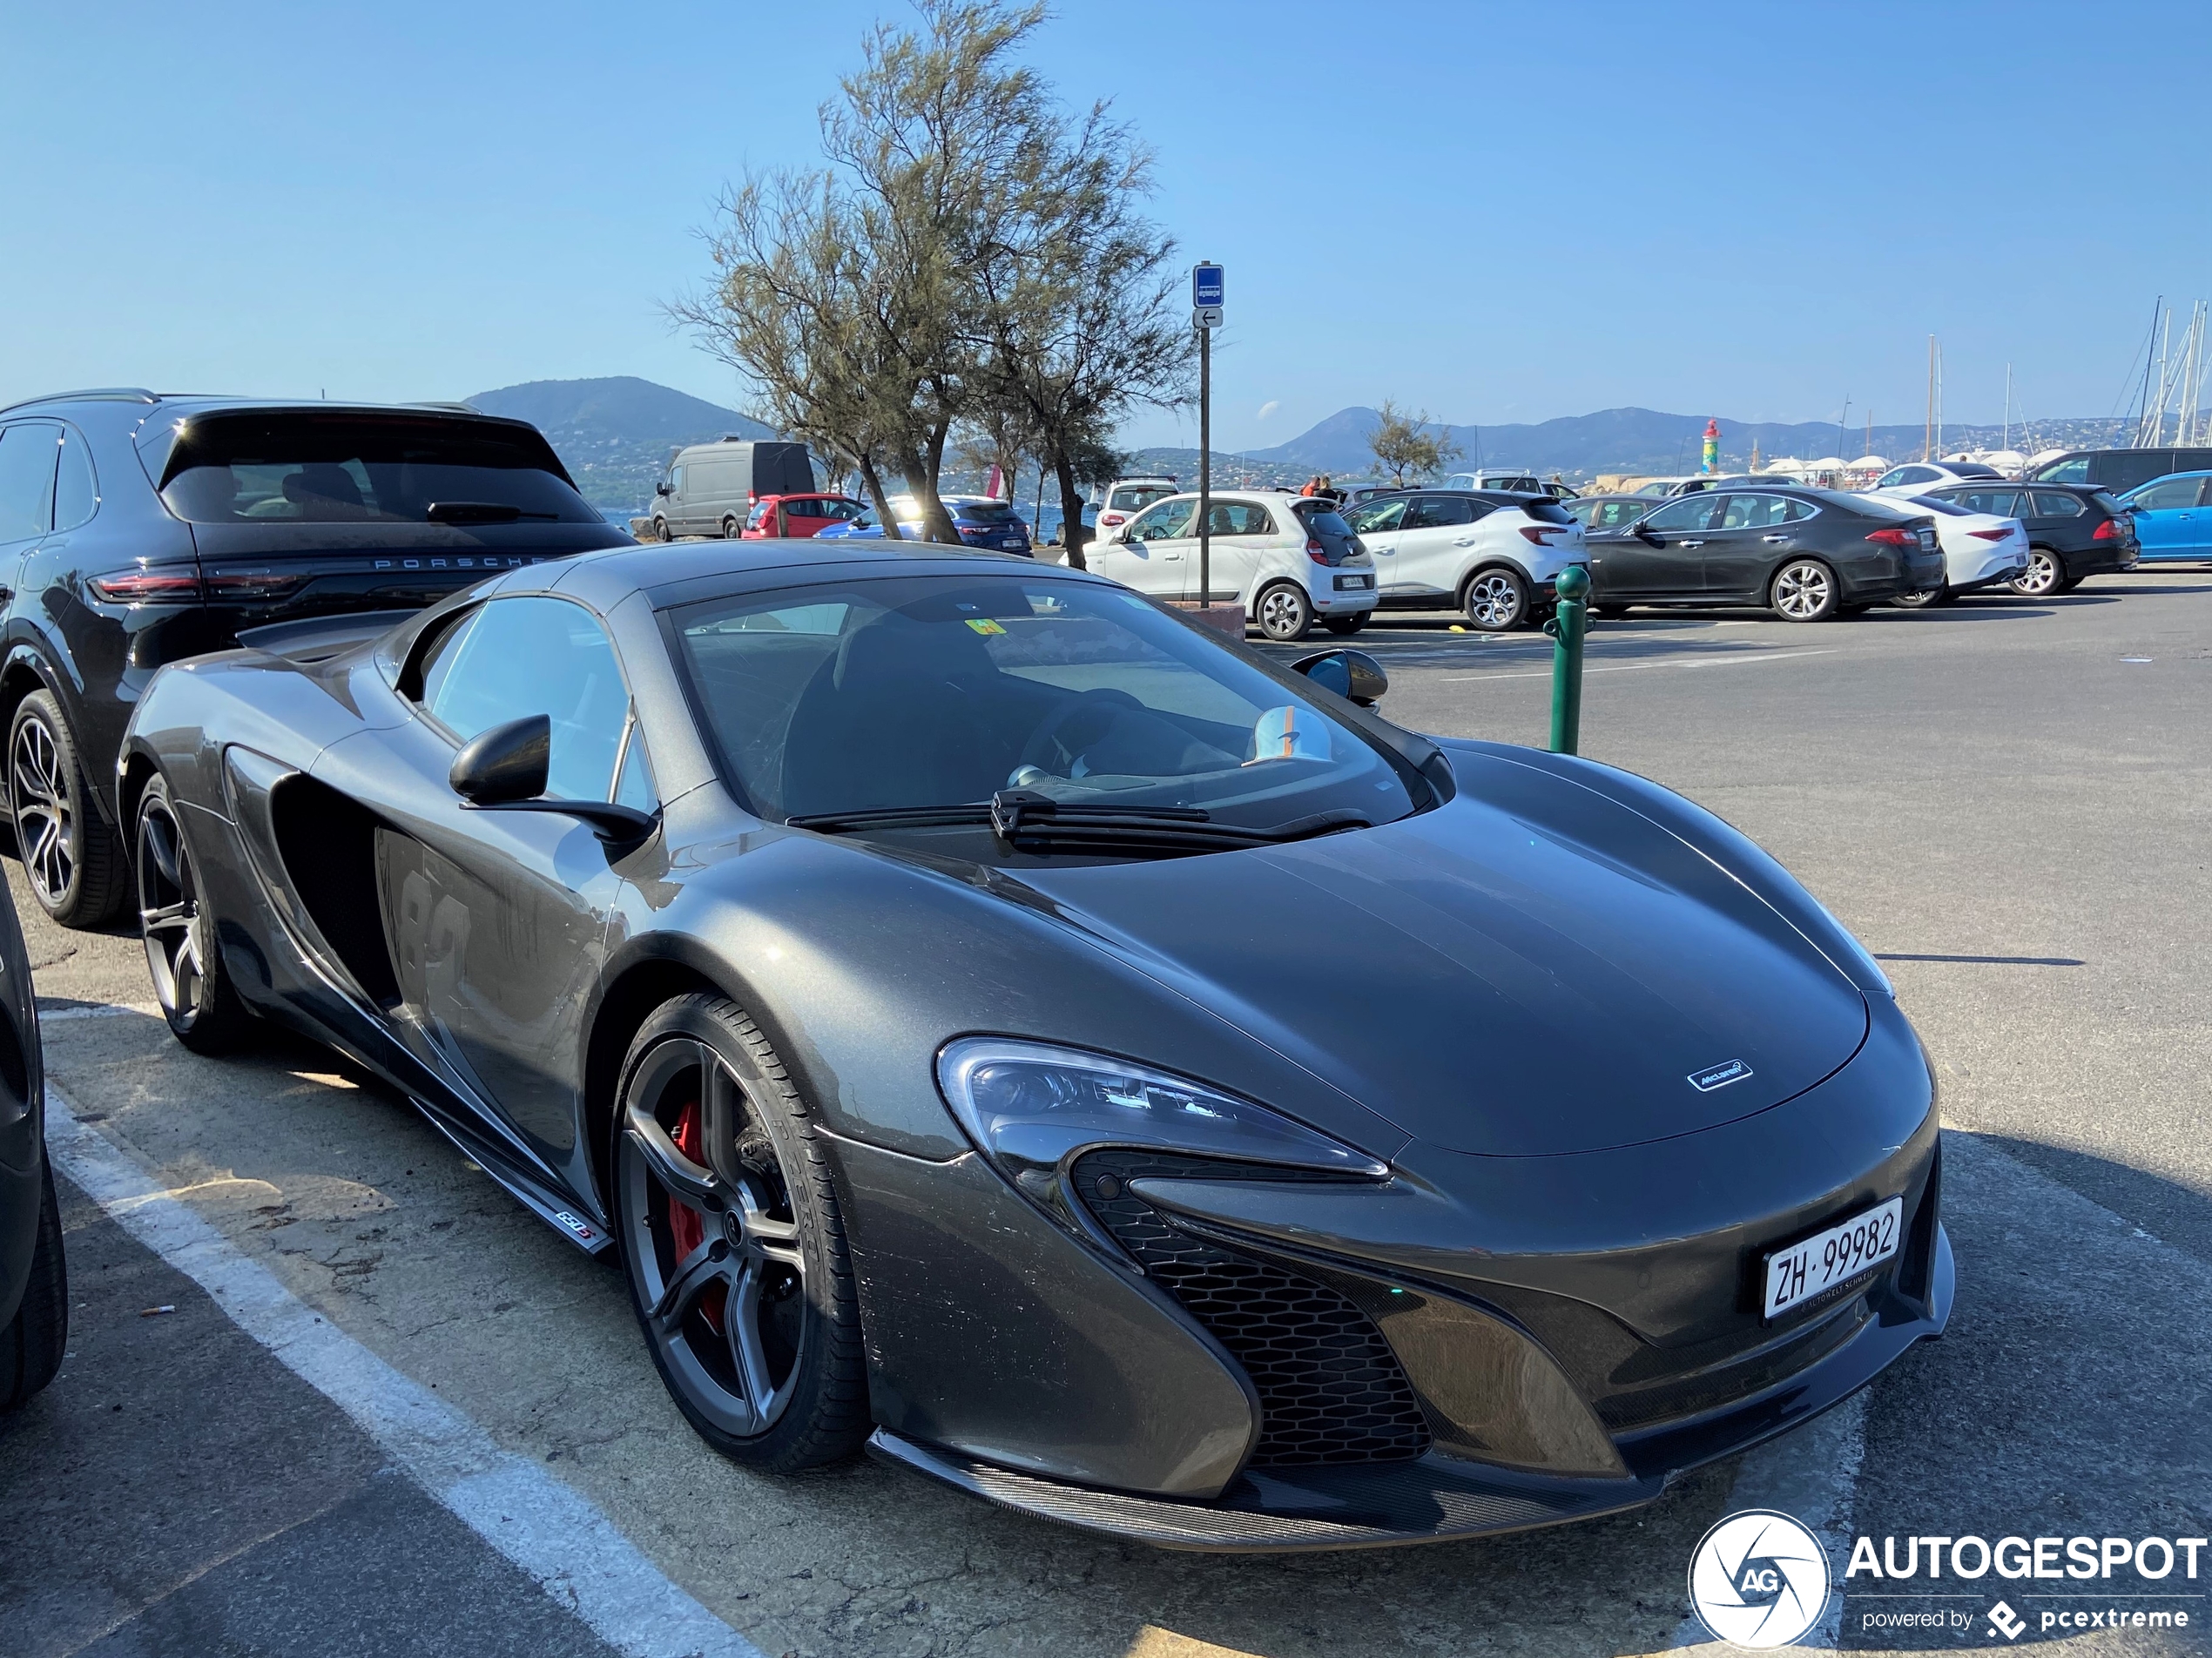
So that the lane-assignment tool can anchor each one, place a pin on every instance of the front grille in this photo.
(1668, 1400)
(1330, 1389)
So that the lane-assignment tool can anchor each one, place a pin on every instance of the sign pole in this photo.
(1205, 466)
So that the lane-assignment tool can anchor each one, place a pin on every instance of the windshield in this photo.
(984, 512)
(925, 691)
(1135, 497)
(309, 468)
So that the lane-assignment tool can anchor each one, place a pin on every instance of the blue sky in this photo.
(1498, 213)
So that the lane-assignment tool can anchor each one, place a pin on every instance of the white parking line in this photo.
(557, 1536)
(1637, 667)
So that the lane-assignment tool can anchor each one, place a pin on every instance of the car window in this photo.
(1377, 516)
(534, 656)
(1439, 512)
(836, 510)
(2074, 471)
(1325, 522)
(77, 491)
(1239, 518)
(984, 512)
(1753, 511)
(291, 468)
(1133, 497)
(1614, 514)
(841, 696)
(1167, 519)
(2056, 503)
(2166, 494)
(27, 455)
(1685, 515)
(2005, 503)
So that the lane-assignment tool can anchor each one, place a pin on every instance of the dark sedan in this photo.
(2074, 530)
(1805, 554)
(883, 952)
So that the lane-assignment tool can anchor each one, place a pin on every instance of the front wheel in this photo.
(730, 528)
(74, 859)
(661, 531)
(183, 952)
(2045, 575)
(734, 1244)
(1495, 601)
(30, 1348)
(1285, 614)
(1805, 590)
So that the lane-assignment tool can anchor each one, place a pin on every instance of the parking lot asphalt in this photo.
(2008, 800)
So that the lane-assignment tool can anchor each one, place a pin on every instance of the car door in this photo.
(2166, 518)
(1377, 525)
(1660, 556)
(1155, 554)
(1753, 534)
(1237, 534)
(1434, 543)
(497, 920)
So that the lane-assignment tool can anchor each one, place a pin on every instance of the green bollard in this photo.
(1568, 624)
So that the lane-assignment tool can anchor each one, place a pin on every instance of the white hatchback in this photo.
(1496, 557)
(1290, 560)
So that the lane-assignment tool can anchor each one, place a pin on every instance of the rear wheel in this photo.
(1805, 590)
(1352, 623)
(30, 1348)
(734, 1242)
(2045, 575)
(1927, 598)
(183, 952)
(74, 859)
(1495, 600)
(1283, 612)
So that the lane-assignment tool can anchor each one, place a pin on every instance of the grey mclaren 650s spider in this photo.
(998, 1022)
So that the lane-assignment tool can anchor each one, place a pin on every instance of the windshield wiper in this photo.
(478, 512)
(1029, 821)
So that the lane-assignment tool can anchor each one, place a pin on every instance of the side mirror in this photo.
(1351, 674)
(505, 770)
(506, 763)
(664, 488)
(1645, 532)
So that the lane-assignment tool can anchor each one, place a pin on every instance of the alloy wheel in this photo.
(46, 825)
(1494, 600)
(171, 917)
(713, 1239)
(1804, 591)
(2042, 575)
(1284, 613)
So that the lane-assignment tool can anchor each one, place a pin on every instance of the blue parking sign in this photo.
(1205, 285)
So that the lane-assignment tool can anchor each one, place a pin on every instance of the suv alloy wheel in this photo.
(73, 859)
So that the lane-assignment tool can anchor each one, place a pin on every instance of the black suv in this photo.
(2074, 529)
(138, 529)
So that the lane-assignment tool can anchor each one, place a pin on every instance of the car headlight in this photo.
(1033, 1110)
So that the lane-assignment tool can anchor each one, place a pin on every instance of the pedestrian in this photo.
(1312, 486)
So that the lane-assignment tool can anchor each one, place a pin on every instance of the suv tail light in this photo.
(148, 587)
(1894, 537)
(251, 584)
(2108, 530)
(1542, 534)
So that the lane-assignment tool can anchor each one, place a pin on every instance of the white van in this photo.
(710, 488)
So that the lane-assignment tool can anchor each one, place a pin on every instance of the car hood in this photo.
(1554, 973)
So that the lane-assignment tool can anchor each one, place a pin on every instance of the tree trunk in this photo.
(920, 470)
(873, 481)
(1071, 513)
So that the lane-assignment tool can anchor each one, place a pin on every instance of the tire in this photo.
(1347, 624)
(1926, 599)
(31, 1347)
(1804, 589)
(2045, 575)
(73, 857)
(661, 530)
(765, 1236)
(1495, 600)
(2071, 582)
(183, 951)
(729, 526)
(1283, 612)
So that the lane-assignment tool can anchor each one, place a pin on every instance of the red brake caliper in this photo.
(686, 1226)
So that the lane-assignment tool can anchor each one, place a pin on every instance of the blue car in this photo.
(2173, 516)
(982, 520)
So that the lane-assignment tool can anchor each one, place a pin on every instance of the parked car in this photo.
(1125, 497)
(137, 528)
(1290, 560)
(2119, 470)
(1044, 1155)
(2074, 530)
(711, 488)
(1495, 556)
(34, 1274)
(1513, 480)
(1980, 548)
(1807, 555)
(1607, 512)
(1916, 477)
(2173, 516)
(981, 520)
(799, 516)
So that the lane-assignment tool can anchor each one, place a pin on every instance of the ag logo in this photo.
(1759, 1579)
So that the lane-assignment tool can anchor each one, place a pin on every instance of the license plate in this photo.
(1353, 584)
(1841, 1253)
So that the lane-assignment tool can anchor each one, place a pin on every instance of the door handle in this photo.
(1774, 541)
(1690, 544)
(1464, 541)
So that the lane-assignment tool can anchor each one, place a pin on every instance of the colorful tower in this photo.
(1709, 461)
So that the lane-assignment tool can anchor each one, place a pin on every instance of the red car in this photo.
(798, 516)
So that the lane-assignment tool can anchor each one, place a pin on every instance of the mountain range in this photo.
(615, 434)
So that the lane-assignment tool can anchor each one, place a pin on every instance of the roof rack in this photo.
(91, 394)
